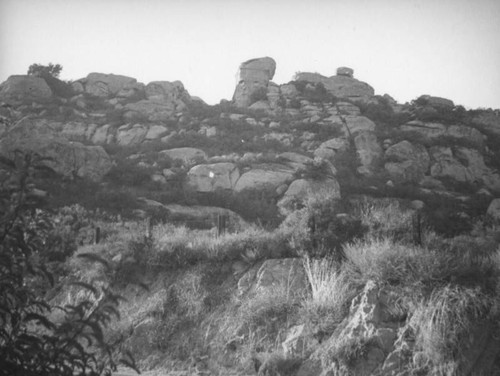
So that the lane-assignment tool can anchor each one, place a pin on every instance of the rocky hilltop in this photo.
(111, 143)
(430, 145)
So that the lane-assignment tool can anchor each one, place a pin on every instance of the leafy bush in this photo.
(32, 341)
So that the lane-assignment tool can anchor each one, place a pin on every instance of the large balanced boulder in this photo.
(69, 159)
(22, 87)
(211, 177)
(254, 76)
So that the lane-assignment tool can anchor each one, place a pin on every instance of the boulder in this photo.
(328, 149)
(165, 91)
(264, 177)
(357, 124)
(129, 135)
(429, 131)
(407, 162)
(341, 86)
(494, 209)
(488, 122)
(345, 71)
(347, 108)
(106, 85)
(301, 190)
(155, 111)
(254, 76)
(69, 159)
(78, 131)
(259, 69)
(295, 160)
(155, 132)
(188, 156)
(437, 102)
(369, 152)
(22, 87)
(445, 166)
(210, 177)
(103, 135)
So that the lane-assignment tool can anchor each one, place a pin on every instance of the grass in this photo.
(444, 322)
(330, 295)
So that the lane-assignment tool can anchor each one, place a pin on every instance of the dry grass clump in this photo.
(443, 324)
(386, 261)
(386, 218)
(330, 295)
(177, 246)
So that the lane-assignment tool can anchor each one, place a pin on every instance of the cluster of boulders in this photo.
(426, 154)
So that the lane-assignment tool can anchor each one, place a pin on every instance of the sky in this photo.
(405, 48)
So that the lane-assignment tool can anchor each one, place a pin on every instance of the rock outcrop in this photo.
(407, 162)
(264, 177)
(69, 159)
(18, 88)
(254, 76)
(342, 85)
(211, 177)
(107, 85)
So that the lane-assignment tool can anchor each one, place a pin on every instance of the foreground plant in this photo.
(32, 340)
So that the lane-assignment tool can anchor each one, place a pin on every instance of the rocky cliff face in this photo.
(430, 144)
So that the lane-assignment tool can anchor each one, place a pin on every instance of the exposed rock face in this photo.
(407, 162)
(210, 177)
(254, 77)
(369, 152)
(370, 319)
(152, 110)
(357, 124)
(264, 177)
(463, 165)
(24, 87)
(107, 85)
(433, 131)
(189, 156)
(69, 159)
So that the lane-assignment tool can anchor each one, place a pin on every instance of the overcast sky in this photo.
(405, 48)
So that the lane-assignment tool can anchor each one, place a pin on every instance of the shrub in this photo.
(32, 341)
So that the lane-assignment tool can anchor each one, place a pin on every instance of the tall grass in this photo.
(330, 295)
(444, 322)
